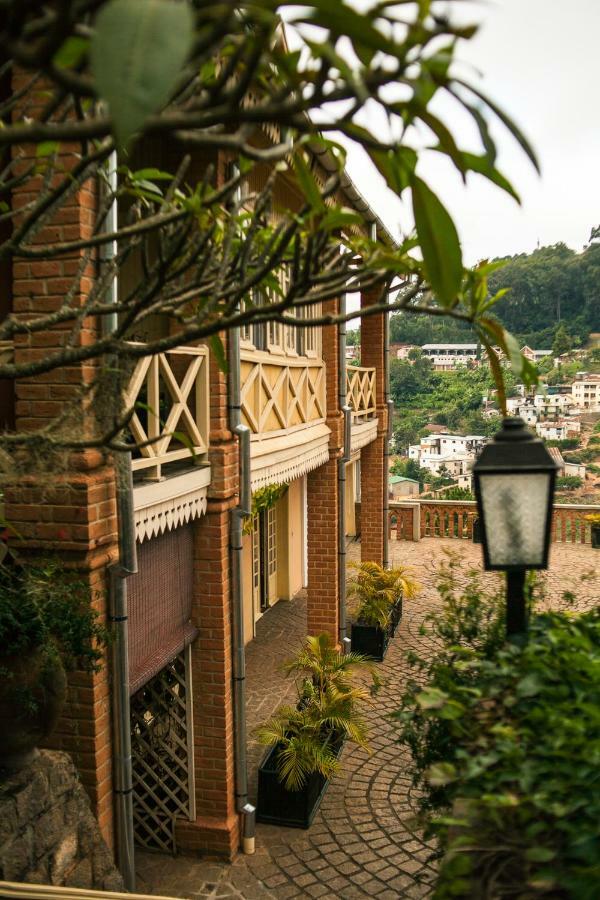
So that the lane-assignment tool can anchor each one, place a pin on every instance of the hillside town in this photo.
(566, 415)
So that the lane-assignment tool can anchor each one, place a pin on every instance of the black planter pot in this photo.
(596, 537)
(477, 536)
(292, 809)
(369, 640)
(396, 616)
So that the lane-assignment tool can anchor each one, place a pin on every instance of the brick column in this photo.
(64, 508)
(216, 828)
(373, 478)
(322, 504)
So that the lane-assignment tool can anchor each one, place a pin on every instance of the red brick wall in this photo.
(322, 504)
(70, 512)
(372, 476)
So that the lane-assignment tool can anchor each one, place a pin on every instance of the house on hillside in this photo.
(184, 605)
(535, 356)
(586, 392)
(446, 357)
(403, 487)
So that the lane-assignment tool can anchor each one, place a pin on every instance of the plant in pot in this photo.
(594, 520)
(306, 740)
(46, 626)
(377, 595)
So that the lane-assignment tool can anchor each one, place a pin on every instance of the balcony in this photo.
(170, 429)
(283, 405)
(361, 398)
(169, 395)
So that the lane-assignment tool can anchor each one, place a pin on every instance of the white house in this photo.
(535, 355)
(586, 392)
(446, 357)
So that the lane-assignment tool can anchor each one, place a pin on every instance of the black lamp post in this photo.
(514, 485)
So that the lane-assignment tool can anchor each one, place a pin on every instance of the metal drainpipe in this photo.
(122, 774)
(118, 573)
(386, 449)
(237, 516)
(345, 458)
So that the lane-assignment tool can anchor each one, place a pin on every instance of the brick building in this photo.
(184, 658)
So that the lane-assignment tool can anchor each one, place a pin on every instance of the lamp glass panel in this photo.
(515, 508)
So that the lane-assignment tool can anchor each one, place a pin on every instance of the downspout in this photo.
(342, 461)
(118, 574)
(237, 516)
(389, 403)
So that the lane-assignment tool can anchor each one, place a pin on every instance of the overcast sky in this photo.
(540, 60)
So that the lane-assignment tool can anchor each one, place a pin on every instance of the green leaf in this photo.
(216, 345)
(151, 173)
(309, 186)
(439, 243)
(71, 52)
(46, 148)
(339, 218)
(440, 774)
(137, 53)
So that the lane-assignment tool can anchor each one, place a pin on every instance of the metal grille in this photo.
(162, 751)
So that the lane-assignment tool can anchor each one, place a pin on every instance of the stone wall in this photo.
(48, 834)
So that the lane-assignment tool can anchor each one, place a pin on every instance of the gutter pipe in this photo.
(237, 516)
(342, 461)
(389, 403)
(118, 574)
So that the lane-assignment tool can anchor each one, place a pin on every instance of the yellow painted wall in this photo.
(350, 499)
(289, 541)
(247, 587)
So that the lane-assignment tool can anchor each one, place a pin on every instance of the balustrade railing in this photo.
(360, 392)
(281, 393)
(169, 395)
(414, 519)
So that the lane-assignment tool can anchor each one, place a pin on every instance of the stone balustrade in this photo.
(411, 520)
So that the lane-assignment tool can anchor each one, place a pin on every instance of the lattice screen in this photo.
(161, 746)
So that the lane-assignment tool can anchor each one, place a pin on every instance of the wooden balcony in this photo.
(414, 519)
(171, 420)
(281, 393)
(360, 393)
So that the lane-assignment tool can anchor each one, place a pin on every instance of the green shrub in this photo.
(569, 482)
(506, 748)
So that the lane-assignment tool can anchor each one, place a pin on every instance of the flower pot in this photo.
(477, 536)
(276, 805)
(370, 640)
(596, 537)
(396, 615)
(32, 695)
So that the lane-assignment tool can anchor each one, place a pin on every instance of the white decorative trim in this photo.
(363, 433)
(167, 504)
(283, 458)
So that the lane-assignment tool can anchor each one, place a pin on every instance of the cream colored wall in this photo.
(247, 587)
(350, 499)
(289, 541)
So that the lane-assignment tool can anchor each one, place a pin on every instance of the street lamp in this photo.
(514, 485)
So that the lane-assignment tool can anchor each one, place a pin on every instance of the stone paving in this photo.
(362, 842)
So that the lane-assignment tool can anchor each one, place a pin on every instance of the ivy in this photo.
(262, 500)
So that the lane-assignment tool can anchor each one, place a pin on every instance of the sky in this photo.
(540, 60)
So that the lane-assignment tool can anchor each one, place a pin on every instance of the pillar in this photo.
(373, 477)
(216, 827)
(323, 503)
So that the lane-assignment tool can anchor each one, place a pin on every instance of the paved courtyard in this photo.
(363, 842)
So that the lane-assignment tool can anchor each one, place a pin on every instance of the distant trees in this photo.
(562, 342)
(548, 287)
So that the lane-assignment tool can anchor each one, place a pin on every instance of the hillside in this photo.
(550, 286)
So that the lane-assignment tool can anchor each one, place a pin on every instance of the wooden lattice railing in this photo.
(360, 392)
(280, 393)
(171, 419)
(453, 519)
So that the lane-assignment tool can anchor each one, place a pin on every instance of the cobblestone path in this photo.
(361, 843)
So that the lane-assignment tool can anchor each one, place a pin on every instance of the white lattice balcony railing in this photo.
(171, 419)
(360, 392)
(281, 393)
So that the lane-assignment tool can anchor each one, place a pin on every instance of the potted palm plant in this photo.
(305, 741)
(594, 520)
(46, 626)
(378, 595)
